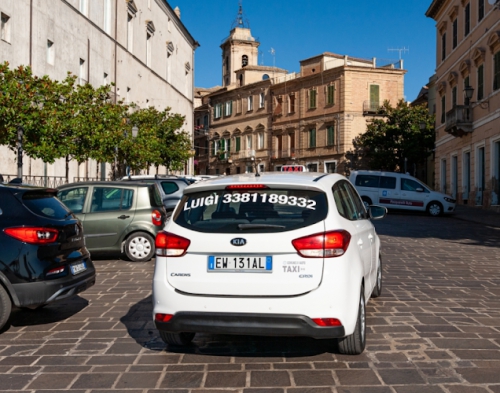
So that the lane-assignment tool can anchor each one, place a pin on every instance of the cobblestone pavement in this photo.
(435, 329)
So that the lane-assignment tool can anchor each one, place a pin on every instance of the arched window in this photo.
(244, 60)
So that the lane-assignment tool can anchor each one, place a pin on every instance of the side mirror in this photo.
(377, 212)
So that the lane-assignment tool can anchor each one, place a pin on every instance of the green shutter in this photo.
(480, 82)
(238, 143)
(229, 145)
(312, 137)
(374, 97)
(331, 95)
(496, 71)
(330, 136)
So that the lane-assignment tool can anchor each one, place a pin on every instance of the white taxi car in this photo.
(277, 254)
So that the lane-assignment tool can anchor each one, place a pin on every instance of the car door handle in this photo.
(123, 217)
(360, 242)
(370, 236)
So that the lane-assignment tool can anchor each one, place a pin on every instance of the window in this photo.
(454, 176)
(84, 7)
(466, 84)
(454, 97)
(444, 185)
(127, 96)
(148, 49)
(50, 52)
(480, 175)
(374, 98)
(228, 108)
(107, 16)
(330, 136)
(105, 80)
(238, 143)
(412, 185)
(388, 182)
(330, 95)
(347, 201)
(480, 82)
(467, 19)
(496, 71)
(495, 195)
(249, 142)
(74, 198)
(330, 167)
(312, 137)
(82, 73)
(480, 10)
(217, 111)
(291, 103)
(169, 61)
(443, 46)
(111, 198)
(455, 33)
(130, 31)
(244, 60)
(5, 27)
(260, 140)
(443, 109)
(261, 100)
(312, 99)
(250, 103)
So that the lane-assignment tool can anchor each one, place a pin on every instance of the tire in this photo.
(377, 290)
(366, 201)
(5, 307)
(139, 247)
(176, 338)
(354, 344)
(435, 209)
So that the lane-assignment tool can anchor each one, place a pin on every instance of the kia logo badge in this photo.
(238, 241)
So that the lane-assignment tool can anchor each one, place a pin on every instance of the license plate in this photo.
(78, 267)
(262, 264)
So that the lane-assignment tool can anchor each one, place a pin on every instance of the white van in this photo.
(400, 191)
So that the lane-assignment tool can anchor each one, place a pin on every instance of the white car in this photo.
(275, 254)
(400, 191)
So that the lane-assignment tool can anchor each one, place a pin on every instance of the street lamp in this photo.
(20, 132)
(469, 92)
(135, 131)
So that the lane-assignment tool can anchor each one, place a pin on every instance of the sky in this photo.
(297, 30)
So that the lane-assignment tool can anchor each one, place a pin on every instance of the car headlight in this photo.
(450, 200)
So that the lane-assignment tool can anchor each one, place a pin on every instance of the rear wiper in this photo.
(258, 226)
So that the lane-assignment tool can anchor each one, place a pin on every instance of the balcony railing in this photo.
(371, 107)
(459, 120)
(285, 153)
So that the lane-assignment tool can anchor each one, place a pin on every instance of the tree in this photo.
(400, 141)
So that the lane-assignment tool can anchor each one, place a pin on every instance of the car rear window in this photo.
(262, 211)
(154, 196)
(169, 187)
(45, 204)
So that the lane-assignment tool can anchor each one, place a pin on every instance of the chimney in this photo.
(177, 12)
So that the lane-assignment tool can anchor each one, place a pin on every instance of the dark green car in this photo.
(117, 216)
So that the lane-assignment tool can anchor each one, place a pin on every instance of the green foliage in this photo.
(79, 122)
(404, 137)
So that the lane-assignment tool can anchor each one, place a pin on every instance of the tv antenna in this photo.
(404, 49)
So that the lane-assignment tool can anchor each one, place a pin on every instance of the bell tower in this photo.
(239, 50)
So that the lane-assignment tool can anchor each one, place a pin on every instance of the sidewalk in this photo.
(477, 214)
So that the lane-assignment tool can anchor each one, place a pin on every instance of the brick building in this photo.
(467, 89)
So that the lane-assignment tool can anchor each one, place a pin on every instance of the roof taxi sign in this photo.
(293, 168)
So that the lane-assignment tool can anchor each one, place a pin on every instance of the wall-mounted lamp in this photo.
(469, 92)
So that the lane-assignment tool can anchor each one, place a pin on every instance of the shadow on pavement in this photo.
(420, 225)
(140, 326)
(51, 313)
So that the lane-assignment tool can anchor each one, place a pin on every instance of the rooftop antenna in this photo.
(241, 20)
(273, 54)
(404, 49)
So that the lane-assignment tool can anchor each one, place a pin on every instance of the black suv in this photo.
(43, 257)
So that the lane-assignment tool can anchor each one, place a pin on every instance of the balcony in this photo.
(285, 153)
(459, 121)
(372, 108)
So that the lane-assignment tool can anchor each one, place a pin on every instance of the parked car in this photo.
(171, 187)
(43, 257)
(279, 254)
(400, 191)
(117, 216)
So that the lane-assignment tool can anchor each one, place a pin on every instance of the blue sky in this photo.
(298, 30)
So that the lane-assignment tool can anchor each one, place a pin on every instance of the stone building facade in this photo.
(140, 45)
(467, 90)
(263, 118)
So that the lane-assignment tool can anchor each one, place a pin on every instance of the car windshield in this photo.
(263, 210)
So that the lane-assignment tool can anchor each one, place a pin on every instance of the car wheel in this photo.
(366, 201)
(435, 209)
(354, 344)
(377, 290)
(176, 338)
(5, 307)
(139, 247)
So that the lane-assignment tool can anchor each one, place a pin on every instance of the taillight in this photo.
(55, 271)
(33, 235)
(156, 218)
(323, 245)
(170, 245)
(247, 187)
(163, 317)
(327, 322)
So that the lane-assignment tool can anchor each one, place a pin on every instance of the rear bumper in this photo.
(34, 294)
(248, 323)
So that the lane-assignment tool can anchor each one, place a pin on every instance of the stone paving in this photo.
(436, 329)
